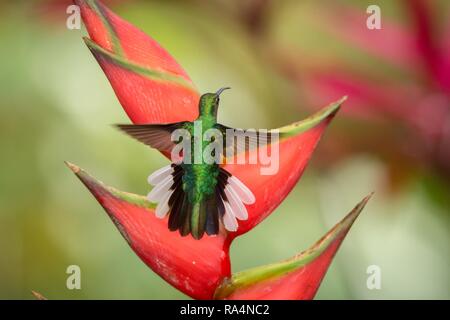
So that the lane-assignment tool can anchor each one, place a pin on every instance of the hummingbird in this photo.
(199, 197)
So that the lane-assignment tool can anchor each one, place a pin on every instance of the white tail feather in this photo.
(236, 204)
(241, 190)
(229, 220)
(160, 190)
(159, 175)
(163, 206)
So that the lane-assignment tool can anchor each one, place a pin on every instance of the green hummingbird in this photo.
(200, 196)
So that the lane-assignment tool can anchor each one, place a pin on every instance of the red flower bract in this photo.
(194, 267)
(153, 88)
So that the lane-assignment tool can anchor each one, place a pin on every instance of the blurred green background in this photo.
(57, 105)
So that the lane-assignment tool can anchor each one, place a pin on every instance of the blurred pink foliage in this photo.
(418, 105)
(54, 11)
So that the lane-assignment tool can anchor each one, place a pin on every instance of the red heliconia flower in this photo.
(153, 88)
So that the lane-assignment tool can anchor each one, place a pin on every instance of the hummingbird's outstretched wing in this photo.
(224, 206)
(236, 141)
(157, 136)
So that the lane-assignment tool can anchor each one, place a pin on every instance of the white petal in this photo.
(241, 190)
(236, 204)
(159, 175)
(229, 220)
(158, 192)
(163, 206)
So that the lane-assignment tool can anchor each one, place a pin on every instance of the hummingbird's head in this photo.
(209, 102)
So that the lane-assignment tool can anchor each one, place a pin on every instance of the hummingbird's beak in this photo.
(222, 90)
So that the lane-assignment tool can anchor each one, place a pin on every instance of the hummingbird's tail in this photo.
(232, 195)
(223, 207)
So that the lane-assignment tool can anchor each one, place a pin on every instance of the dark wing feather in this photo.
(243, 140)
(157, 136)
(180, 207)
(176, 201)
(185, 227)
(212, 216)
